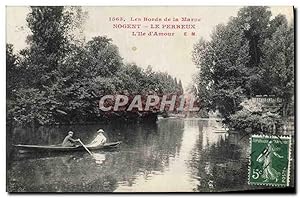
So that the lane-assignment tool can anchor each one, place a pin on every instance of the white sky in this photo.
(170, 54)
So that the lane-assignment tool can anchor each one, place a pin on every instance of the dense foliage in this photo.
(253, 118)
(253, 54)
(59, 77)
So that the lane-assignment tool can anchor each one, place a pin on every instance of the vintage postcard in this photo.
(150, 99)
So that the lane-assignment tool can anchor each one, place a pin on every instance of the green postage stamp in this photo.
(269, 160)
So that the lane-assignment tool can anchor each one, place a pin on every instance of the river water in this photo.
(172, 155)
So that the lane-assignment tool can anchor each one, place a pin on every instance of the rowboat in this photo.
(59, 148)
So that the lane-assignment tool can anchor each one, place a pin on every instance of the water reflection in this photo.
(99, 158)
(173, 177)
(182, 155)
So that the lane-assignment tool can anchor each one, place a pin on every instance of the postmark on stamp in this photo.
(269, 162)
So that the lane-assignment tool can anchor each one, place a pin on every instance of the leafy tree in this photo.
(13, 79)
(250, 55)
(254, 20)
(42, 61)
(63, 76)
(275, 23)
(222, 64)
(46, 44)
(279, 64)
(12, 71)
(231, 63)
(104, 57)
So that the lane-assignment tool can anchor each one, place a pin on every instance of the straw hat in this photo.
(100, 131)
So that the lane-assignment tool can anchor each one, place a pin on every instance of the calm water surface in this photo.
(183, 155)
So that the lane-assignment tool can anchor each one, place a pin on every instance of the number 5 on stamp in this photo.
(269, 162)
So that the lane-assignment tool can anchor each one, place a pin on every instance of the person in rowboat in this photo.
(100, 139)
(69, 141)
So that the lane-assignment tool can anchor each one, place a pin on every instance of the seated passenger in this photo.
(100, 139)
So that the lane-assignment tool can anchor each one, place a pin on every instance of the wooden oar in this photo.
(85, 147)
